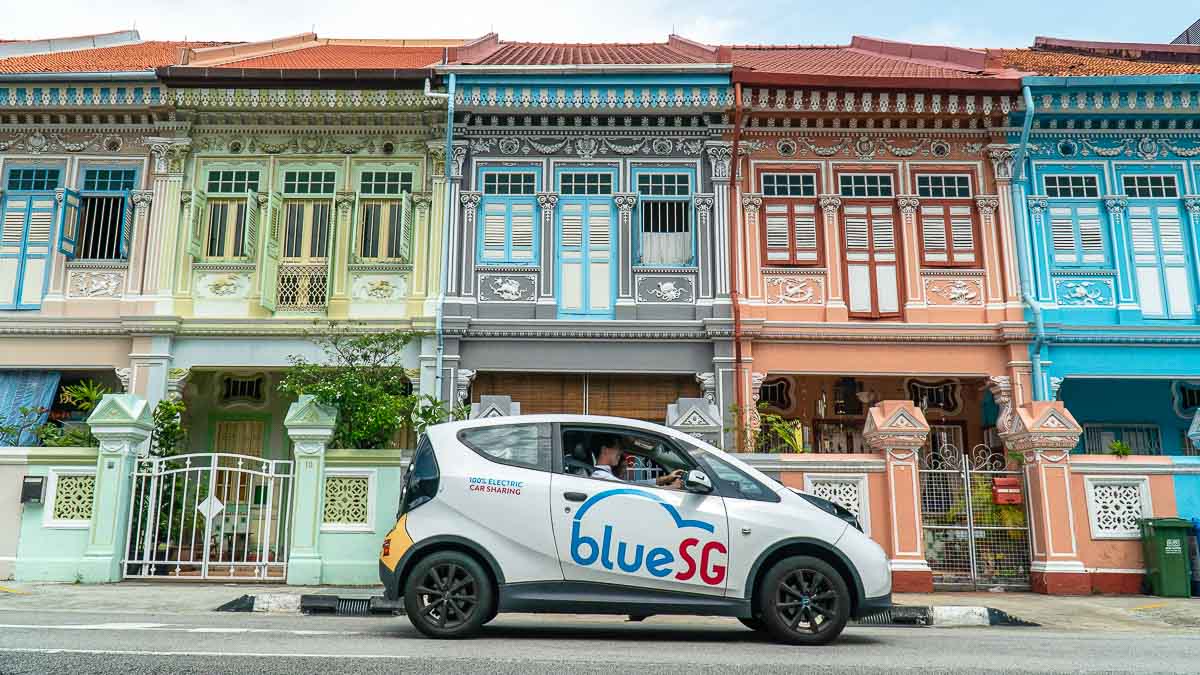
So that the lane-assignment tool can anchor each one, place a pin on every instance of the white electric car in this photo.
(503, 515)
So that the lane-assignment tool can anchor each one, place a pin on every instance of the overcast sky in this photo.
(967, 23)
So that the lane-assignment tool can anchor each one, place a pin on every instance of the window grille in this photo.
(226, 228)
(665, 212)
(101, 223)
(28, 180)
(236, 389)
(1142, 439)
(1072, 186)
(789, 185)
(232, 182)
(865, 185)
(956, 186)
(1152, 187)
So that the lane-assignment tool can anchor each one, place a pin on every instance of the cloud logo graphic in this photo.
(680, 521)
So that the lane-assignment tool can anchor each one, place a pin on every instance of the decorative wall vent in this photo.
(241, 389)
(1187, 398)
(940, 395)
(776, 393)
(1116, 504)
(348, 501)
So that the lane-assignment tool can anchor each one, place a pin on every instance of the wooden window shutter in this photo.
(804, 224)
(1062, 234)
(495, 230)
(572, 225)
(933, 234)
(522, 231)
(962, 232)
(776, 223)
(250, 243)
(1091, 234)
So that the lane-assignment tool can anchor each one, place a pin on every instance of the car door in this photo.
(635, 535)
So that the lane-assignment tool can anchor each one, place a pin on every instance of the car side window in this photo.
(523, 445)
(645, 456)
(731, 481)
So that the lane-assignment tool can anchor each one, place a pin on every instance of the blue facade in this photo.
(1105, 191)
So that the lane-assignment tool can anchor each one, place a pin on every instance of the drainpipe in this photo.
(1023, 246)
(446, 252)
(734, 204)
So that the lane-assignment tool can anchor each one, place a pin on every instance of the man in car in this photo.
(608, 456)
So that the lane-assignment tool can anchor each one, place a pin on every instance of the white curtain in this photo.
(674, 248)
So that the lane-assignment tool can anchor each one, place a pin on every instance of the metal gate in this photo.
(971, 540)
(209, 516)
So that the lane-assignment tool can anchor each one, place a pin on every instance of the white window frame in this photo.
(891, 185)
(1089, 486)
(372, 476)
(1068, 176)
(955, 175)
(1174, 184)
(48, 519)
(787, 175)
(864, 497)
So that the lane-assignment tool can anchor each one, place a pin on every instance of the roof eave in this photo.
(585, 69)
(176, 76)
(1079, 81)
(69, 76)
(955, 84)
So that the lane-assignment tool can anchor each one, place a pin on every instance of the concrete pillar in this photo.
(696, 417)
(898, 430)
(495, 406)
(1044, 433)
(122, 424)
(310, 425)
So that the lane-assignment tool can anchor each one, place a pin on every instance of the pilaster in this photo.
(751, 256)
(310, 425)
(720, 156)
(835, 302)
(625, 201)
(1127, 307)
(990, 252)
(909, 257)
(165, 250)
(546, 204)
(462, 281)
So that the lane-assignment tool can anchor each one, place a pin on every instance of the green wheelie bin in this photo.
(1168, 564)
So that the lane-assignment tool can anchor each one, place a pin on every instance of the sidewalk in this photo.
(1083, 613)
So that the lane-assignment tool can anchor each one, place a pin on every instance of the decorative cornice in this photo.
(301, 99)
(766, 99)
(650, 98)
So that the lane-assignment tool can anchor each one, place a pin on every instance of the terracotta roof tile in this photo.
(559, 54)
(839, 61)
(141, 56)
(335, 56)
(1065, 63)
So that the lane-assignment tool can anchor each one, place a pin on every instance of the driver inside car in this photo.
(608, 455)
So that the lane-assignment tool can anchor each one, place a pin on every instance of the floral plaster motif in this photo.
(675, 289)
(667, 291)
(794, 291)
(96, 284)
(377, 288)
(954, 291)
(507, 288)
(1084, 292)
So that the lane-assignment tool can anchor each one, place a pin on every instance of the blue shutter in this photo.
(12, 244)
(68, 223)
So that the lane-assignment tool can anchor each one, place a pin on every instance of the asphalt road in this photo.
(79, 642)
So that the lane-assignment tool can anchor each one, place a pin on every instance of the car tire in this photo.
(453, 580)
(804, 601)
(754, 623)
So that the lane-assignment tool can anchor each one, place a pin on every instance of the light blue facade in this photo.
(1106, 193)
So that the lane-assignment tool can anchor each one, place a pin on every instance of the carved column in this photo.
(462, 235)
(625, 202)
(339, 256)
(462, 386)
(753, 419)
(459, 282)
(422, 237)
(1042, 288)
(898, 430)
(1002, 161)
(749, 268)
(138, 249)
(707, 258)
(835, 303)
(1122, 252)
(437, 250)
(1044, 433)
(720, 157)
(122, 424)
(166, 250)
(546, 202)
(990, 248)
(911, 248)
(1192, 204)
(177, 379)
(310, 425)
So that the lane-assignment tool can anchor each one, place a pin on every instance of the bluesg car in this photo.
(504, 515)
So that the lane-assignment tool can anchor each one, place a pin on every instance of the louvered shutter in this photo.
(1176, 278)
(127, 223)
(962, 234)
(404, 247)
(1062, 234)
(804, 229)
(1091, 233)
(12, 241)
(883, 250)
(858, 258)
(933, 233)
(268, 279)
(195, 223)
(250, 238)
(1160, 261)
(572, 284)
(68, 223)
(495, 230)
(521, 217)
(35, 256)
(599, 255)
(776, 224)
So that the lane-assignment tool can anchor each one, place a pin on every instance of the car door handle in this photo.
(574, 496)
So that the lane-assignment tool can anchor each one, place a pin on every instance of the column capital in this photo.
(625, 201)
(169, 154)
(1037, 204)
(720, 157)
(1115, 204)
(908, 204)
(752, 202)
(1192, 204)
(547, 200)
(470, 200)
(1001, 155)
(830, 204)
(345, 201)
(458, 157)
(987, 204)
(1001, 388)
(895, 426)
(462, 385)
(141, 201)
(422, 200)
(704, 203)
(177, 379)
(1193, 432)
(1040, 426)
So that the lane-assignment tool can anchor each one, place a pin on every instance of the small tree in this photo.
(170, 435)
(363, 378)
(774, 433)
(27, 421)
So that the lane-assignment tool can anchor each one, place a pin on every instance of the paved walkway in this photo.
(1095, 612)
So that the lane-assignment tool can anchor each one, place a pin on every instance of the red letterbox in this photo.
(1006, 490)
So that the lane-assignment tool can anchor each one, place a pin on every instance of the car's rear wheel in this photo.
(448, 595)
(804, 601)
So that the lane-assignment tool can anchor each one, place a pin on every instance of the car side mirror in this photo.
(697, 481)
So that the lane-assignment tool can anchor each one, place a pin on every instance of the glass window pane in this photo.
(518, 444)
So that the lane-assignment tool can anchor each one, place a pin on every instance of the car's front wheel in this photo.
(804, 601)
(448, 595)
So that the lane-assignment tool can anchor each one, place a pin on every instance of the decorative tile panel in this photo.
(347, 501)
(848, 491)
(664, 288)
(795, 289)
(954, 291)
(378, 287)
(95, 283)
(1084, 292)
(222, 285)
(70, 497)
(1116, 504)
(507, 287)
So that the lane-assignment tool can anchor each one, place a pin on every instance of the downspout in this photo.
(736, 233)
(1023, 247)
(446, 211)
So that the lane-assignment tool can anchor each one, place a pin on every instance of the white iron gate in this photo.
(209, 516)
(973, 539)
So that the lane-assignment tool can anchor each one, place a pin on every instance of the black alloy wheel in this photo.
(804, 601)
(448, 595)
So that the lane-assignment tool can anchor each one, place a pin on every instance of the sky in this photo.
(1013, 23)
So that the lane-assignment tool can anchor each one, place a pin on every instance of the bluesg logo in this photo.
(612, 553)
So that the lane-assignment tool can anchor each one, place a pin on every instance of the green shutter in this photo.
(195, 223)
(268, 280)
(250, 238)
